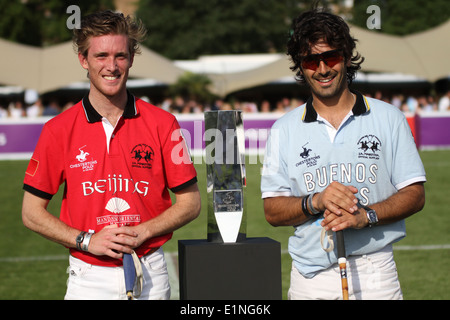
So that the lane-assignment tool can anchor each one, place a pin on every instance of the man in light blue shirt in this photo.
(341, 161)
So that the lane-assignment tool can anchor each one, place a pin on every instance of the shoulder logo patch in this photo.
(32, 167)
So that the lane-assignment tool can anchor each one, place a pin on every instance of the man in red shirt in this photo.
(118, 156)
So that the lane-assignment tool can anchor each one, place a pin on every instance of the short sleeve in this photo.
(407, 167)
(178, 166)
(275, 178)
(45, 171)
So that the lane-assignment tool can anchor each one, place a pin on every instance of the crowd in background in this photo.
(409, 104)
(17, 109)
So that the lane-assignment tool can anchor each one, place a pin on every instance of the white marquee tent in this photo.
(424, 55)
(50, 68)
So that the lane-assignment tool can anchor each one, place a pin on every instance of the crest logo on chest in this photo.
(142, 156)
(308, 159)
(84, 162)
(370, 147)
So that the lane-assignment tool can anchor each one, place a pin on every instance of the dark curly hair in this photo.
(317, 24)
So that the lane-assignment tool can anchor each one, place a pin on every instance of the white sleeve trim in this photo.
(273, 194)
(410, 181)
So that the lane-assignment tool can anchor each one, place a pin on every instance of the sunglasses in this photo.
(330, 58)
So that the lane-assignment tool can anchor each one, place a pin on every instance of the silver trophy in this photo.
(225, 169)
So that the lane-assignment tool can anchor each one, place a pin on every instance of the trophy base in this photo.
(249, 270)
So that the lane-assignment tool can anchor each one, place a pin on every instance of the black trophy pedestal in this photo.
(247, 270)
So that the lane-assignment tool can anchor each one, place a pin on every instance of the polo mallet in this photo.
(342, 260)
(131, 264)
(130, 274)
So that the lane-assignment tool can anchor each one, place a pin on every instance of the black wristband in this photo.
(305, 206)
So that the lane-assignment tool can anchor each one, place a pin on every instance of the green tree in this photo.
(185, 29)
(42, 22)
(192, 86)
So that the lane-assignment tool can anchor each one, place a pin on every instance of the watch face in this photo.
(372, 216)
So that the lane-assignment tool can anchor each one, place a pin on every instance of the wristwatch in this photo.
(86, 240)
(80, 239)
(371, 216)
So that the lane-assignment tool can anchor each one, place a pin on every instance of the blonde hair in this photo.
(108, 22)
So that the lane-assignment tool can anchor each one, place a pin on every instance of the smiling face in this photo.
(108, 61)
(327, 81)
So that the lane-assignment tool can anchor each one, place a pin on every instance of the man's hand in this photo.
(336, 198)
(339, 204)
(113, 241)
(399, 206)
(336, 222)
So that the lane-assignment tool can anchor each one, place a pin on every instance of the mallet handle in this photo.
(342, 261)
(129, 273)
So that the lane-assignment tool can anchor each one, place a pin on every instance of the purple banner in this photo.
(256, 129)
(19, 138)
(433, 130)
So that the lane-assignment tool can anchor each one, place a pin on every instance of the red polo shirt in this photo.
(121, 177)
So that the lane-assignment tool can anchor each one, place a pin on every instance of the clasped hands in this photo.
(114, 241)
(339, 204)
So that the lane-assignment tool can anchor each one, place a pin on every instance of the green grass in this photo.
(423, 273)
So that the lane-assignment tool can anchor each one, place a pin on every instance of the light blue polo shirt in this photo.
(373, 150)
